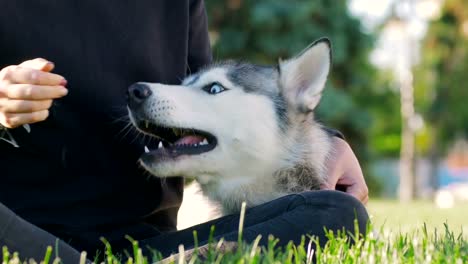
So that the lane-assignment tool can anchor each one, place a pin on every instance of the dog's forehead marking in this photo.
(264, 81)
(255, 78)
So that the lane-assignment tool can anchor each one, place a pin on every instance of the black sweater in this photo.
(76, 174)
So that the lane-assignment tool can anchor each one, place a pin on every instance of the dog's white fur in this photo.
(252, 151)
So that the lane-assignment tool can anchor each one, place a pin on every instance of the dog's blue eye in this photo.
(214, 88)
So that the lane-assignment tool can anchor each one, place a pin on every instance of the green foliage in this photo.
(440, 79)
(356, 101)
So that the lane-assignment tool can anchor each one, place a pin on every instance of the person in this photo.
(72, 174)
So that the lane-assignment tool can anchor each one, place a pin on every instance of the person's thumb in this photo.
(38, 64)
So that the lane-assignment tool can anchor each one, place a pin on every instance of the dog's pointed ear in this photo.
(304, 76)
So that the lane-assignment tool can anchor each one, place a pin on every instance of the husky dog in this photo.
(244, 132)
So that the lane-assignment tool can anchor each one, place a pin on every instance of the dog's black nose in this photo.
(137, 93)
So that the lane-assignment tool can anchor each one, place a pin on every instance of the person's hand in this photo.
(344, 172)
(27, 91)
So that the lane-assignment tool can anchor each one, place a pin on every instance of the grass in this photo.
(399, 236)
(406, 217)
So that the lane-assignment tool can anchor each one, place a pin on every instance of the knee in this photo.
(325, 198)
(334, 204)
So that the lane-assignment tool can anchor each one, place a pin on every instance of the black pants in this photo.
(287, 218)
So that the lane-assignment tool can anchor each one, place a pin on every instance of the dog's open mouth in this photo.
(174, 141)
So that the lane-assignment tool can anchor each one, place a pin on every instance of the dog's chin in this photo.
(167, 165)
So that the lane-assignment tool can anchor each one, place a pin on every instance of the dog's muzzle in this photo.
(137, 94)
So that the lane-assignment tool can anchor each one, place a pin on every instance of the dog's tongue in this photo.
(190, 140)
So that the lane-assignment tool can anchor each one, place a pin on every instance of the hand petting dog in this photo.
(344, 172)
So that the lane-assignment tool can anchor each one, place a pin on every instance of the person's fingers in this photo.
(352, 182)
(23, 106)
(326, 186)
(22, 75)
(366, 200)
(358, 189)
(27, 90)
(38, 64)
(344, 172)
(16, 120)
(33, 92)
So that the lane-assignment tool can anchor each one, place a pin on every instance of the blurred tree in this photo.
(442, 75)
(355, 101)
(440, 80)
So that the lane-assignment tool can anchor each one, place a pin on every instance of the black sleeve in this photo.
(199, 53)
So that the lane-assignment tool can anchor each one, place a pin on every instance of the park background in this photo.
(397, 91)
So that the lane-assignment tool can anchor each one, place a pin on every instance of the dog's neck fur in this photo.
(299, 168)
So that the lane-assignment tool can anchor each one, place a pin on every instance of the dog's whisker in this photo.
(180, 79)
(147, 139)
(126, 129)
(124, 118)
(137, 137)
(127, 126)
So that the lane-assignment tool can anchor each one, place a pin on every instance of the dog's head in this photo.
(231, 118)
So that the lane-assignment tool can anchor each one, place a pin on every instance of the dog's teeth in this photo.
(147, 124)
(204, 142)
(147, 149)
(160, 146)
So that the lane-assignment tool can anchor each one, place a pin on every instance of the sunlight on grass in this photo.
(396, 216)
